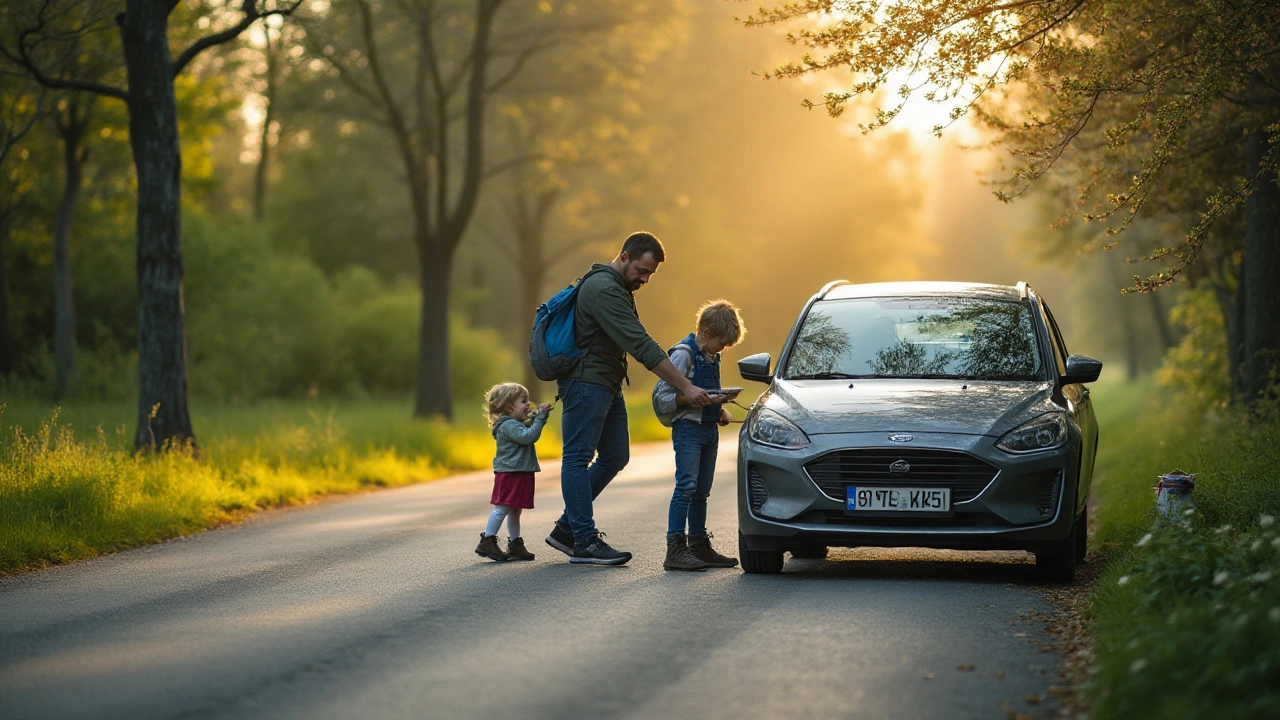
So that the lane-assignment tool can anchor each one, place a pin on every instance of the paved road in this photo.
(375, 607)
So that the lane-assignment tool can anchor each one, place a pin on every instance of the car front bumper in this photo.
(1028, 504)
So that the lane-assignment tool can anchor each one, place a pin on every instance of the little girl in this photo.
(507, 407)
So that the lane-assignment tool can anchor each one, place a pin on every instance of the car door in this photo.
(1080, 407)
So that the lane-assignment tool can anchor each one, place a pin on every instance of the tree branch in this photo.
(251, 15)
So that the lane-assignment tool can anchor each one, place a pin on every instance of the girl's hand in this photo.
(725, 417)
(545, 408)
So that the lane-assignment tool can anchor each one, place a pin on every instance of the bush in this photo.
(1196, 369)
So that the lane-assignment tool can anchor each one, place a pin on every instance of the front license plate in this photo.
(897, 499)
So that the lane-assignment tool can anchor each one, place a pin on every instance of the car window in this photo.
(1055, 337)
(906, 337)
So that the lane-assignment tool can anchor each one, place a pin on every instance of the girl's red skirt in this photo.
(513, 489)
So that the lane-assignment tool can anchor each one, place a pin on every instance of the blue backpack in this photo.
(553, 347)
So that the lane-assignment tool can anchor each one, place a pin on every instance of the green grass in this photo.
(71, 487)
(1186, 614)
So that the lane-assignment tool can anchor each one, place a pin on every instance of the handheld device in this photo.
(729, 393)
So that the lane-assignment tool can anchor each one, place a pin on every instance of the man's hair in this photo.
(501, 398)
(720, 319)
(639, 243)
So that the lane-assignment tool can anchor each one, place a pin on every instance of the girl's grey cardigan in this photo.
(515, 443)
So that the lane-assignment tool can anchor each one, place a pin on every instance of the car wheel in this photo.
(810, 553)
(766, 562)
(1057, 563)
(1082, 535)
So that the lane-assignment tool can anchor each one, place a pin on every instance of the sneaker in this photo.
(517, 551)
(488, 547)
(680, 557)
(561, 540)
(597, 552)
(700, 547)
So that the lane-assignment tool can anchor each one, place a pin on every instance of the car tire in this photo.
(759, 562)
(1082, 535)
(810, 553)
(1057, 563)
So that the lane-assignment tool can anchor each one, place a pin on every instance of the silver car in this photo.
(924, 414)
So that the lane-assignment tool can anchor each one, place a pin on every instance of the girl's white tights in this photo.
(512, 514)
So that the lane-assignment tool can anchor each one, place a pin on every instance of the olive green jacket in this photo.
(608, 327)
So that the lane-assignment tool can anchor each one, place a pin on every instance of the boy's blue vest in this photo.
(706, 375)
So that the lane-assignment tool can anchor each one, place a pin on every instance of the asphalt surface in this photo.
(375, 606)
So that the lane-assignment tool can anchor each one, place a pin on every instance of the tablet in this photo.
(729, 393)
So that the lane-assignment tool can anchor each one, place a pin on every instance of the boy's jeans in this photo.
(594, 420)
(696, 445)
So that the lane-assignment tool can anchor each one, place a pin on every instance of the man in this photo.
(594, 419)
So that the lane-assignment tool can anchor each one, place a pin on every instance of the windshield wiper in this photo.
(828, 376)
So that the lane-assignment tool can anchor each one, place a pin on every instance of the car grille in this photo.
(964, 474)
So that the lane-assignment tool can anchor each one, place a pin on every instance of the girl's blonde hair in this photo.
(501, 397)
(721, 320)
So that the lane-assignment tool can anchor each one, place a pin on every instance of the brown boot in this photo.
(700, 547)
(516, 550)
(488, 547)
(679, 557)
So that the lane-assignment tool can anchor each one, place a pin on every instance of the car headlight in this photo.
(1042, 433)
(768, 427)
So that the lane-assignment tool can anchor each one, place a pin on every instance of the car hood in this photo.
(934, 406)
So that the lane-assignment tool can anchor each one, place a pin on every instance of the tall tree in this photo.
(38, 39)
(1154, 106)
(21, 106)
(425, 72)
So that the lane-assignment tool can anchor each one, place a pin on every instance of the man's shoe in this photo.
(700, 547)
(679, 557)
(488, 547)
(561, 540)
(597, 552)
(516, 550)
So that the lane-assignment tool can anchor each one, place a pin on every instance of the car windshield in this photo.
(916, 337)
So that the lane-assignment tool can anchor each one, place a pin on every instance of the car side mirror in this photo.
(755, 367)
(1081, 369)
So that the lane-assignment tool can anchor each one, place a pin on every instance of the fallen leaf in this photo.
(964, 667)
(1032, 699)
(928, 676)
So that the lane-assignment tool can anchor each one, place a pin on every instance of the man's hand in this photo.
(696, 395)
(725, 417)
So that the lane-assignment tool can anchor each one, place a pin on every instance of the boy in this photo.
(695, 436)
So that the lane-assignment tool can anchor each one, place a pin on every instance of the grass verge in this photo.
(71, 487)
(1186, 613)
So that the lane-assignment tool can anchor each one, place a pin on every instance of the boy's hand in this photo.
(725, 417)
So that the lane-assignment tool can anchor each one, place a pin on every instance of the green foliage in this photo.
(1196, 369)
(264, 323)
(1187, 613)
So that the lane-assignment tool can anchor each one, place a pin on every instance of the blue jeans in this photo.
(696, 445)
(593, 425)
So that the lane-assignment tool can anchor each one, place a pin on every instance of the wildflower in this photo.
(1221, 577)
(1189, 512)
(1138, 665)
(1222, 529)
(1145, 539)
(1261, 576)
(1124, 580)
(1253, 546)
(1274, 615)
(1266, 521)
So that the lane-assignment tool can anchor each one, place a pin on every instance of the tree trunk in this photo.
(1261, 274)
(1131, 348)
(163, 415)
(6, 345)
(1161, 318)
(434, 394)
(64, 307)
(264, 154)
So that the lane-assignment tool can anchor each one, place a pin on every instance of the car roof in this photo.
(846, 291)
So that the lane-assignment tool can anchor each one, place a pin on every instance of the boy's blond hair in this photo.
(501, 397)
(721, 320)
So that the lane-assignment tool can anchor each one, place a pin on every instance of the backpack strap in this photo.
(594, 336)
